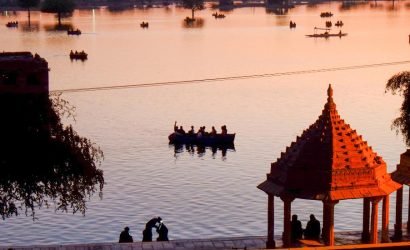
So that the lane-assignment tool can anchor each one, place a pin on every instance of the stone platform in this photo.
(343, 240)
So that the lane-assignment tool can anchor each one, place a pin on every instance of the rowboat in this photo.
(326, 35)
(74, 32)
(207, 140)
(78, 55)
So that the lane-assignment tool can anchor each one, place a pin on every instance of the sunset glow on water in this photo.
(205, 195)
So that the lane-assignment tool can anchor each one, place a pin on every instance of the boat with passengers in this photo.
(179, 136)
(74, 32)
(326, 34)
(78, 55)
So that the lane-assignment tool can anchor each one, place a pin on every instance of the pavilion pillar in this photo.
(408, 218)
(373, 230)
(271, 222)
(324, 222)
(366, 220)
(328, 222)
(398, 233)
(286, 221)
(385, 219)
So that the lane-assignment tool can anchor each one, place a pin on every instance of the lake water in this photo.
(209, 195)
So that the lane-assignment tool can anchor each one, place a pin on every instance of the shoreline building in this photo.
(23, 73)
(330, 162)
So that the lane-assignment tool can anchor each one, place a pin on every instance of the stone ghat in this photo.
(343, 240)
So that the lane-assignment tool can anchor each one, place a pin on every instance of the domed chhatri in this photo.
(330, 162)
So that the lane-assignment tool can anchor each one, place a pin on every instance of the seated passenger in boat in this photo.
(181, 130)
(201, 132)
(213, 132)
(175, 127)
(191, 131)
(224, 130)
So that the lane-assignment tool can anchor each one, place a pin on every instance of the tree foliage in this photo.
(400, 83)
(43, 162)
(193, 5)
(60, 7)
(28, 4)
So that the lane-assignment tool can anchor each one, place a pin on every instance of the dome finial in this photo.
(330, 103)
(330, 91)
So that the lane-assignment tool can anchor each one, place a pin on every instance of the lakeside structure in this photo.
(23, 73)
(330, 162)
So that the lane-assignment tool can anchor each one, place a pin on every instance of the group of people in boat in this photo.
(326, 14)
(155, 222)
(74, 32)
(339, 23)
(189, 19)
(218, 15)
(311, 232)
(12, 24)
(201, 131)
(144, 25)
(292, 24)
(78, 55)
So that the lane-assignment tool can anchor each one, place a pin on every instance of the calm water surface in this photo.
(208, 195)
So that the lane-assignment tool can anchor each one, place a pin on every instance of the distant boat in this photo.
(74, 32)
(144, 25)
(189, 20)
(339, 24)
(12, 24)
(218, 15)
(326, 14)
(78, 55)
(326, 34)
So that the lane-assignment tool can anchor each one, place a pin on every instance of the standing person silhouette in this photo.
(147, 233)
(296, 229)
(162, 231)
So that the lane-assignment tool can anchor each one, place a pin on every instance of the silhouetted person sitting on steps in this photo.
(312, 230)
(296, 229)
(125, 236)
